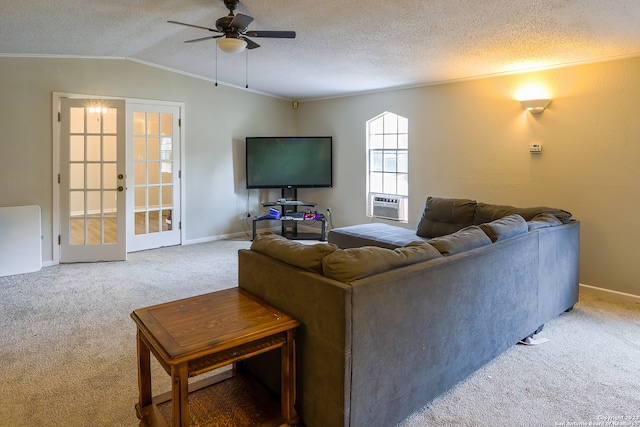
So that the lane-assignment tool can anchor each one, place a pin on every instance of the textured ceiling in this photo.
(342, 46)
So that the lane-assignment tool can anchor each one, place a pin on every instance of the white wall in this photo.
(216, 122)
(468, 139)
(471, 140)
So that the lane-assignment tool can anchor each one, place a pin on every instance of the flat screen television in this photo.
(289, 162)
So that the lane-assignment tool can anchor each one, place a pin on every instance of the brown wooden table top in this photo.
(198, 326)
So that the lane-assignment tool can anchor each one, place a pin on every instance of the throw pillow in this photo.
(351, 264)
(543, 220)
(506, 227)
(487, 213)
(464, 240)
(304, 256)
(445, 216)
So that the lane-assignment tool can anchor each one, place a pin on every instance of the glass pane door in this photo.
(155, 154)
(92, 180)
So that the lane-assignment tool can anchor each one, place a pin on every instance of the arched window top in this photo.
(388, 123)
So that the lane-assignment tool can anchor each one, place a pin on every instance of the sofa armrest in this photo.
(559, 269)
(323, 340)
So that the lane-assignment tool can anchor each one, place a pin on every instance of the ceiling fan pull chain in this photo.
(246, 70)
(216, 60)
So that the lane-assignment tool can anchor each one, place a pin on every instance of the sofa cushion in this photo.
(504, 228)
(445, 216)
(463, 240)
(304, 256)
(487, 213)
(351, 264)
(543, 220)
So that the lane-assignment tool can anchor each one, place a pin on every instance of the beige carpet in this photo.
(67, 346)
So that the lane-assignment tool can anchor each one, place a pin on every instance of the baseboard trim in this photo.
(214, 238)
(611, 293)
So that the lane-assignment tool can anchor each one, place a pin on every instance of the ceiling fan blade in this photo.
(241, 21)
(204, 38)
(250, 43)
(194, 26)
(272, 34)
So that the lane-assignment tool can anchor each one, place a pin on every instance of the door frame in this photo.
(55, 129)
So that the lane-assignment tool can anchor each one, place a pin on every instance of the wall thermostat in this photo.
(535, 148)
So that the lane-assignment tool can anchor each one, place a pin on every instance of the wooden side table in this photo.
(195, 335)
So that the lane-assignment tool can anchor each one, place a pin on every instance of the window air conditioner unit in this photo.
(388, 206)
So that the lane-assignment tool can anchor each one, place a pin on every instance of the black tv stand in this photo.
(289, 217)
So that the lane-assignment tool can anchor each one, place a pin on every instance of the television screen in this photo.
(289, 162)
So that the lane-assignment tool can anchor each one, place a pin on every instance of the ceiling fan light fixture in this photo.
(231, 44)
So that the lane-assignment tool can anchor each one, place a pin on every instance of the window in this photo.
(388, 166)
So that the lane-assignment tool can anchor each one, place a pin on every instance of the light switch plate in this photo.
(535, 148)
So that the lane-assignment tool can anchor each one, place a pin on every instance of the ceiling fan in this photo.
(234, 37)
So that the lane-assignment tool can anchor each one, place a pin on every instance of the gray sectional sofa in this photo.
(399, 317)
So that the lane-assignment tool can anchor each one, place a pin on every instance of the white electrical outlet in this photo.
(535, 148)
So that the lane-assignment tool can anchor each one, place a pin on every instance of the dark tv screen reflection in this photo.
(289, 162)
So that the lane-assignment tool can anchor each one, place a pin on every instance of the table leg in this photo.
(253, 237)
(288, 385)
(144, 372)
(180, 394)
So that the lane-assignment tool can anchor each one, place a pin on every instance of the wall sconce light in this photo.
(535, 106)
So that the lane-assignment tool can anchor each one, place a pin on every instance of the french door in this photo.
(92, 180)
(153, 176)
